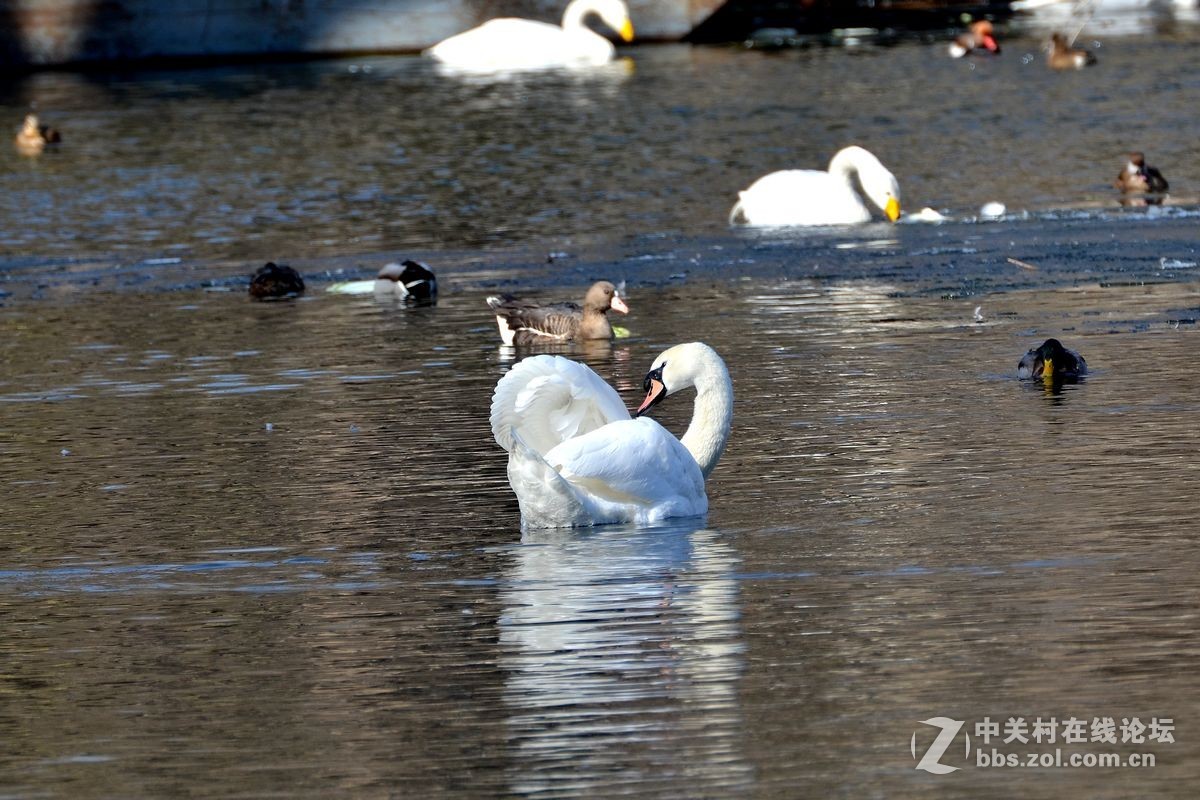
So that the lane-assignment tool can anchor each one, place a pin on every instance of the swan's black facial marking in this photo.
(653, 375)
(655, 389)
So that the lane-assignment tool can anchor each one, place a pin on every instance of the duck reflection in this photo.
(624, 654)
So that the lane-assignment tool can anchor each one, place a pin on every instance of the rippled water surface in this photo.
(270, 549)
(306, 161)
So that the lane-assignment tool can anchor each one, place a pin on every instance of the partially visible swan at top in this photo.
(813, 197)
(576, 457)
(511, 43)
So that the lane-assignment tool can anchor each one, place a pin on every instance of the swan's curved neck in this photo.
(849, 162)
(576, 10)
(712, 416)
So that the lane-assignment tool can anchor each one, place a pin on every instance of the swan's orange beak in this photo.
(626, 32)
(656, 391)
(618, 304)
(892, 209)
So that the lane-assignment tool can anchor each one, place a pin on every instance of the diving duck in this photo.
(979, 36)
(1138, 178)
(409, 281)
(522, 322)
(1063, 56)
(274, 281)
(33, 137)
(1051, 362)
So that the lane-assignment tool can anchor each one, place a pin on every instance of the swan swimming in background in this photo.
(813, 197)
(576, 457)
(512, 43)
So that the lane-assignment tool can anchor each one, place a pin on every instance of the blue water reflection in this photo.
(624, 653)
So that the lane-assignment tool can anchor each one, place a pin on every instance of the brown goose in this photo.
(978, 36)
(1138, 178)
(523, 322)
(1063, 56)
(33, 138)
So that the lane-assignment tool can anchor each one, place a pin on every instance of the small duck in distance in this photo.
(1138, 178)
(1051, 362)
(522, 322)
(409, 281)
(33, 136)
(274, 281)
(978, 36)
(1063, 56)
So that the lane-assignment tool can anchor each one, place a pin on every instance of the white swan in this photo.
(576, 457)
(518, 44)
(812, 197)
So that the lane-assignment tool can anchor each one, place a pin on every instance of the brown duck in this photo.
(274, 281)
(1063, 56)
(33, 137)
(523, 322)
(1138, 178)
(979, 36)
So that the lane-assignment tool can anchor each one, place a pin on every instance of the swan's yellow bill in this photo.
(626, 32)
(892, 209)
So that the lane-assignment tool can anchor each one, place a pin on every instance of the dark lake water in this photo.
(270, 549)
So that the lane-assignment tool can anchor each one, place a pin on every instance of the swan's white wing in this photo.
(802, 197)
(632, 470)
(546, 499)
(510, 43)
(547, 400)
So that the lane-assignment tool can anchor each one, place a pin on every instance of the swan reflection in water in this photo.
(624, 653)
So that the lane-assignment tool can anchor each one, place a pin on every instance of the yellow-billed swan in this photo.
(516, 44)
(813, 197)
(576, 457)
